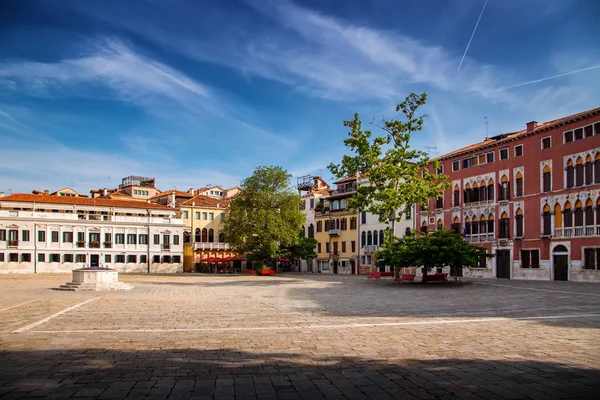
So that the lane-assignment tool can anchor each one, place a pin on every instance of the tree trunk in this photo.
(424, 274)
(396, 270)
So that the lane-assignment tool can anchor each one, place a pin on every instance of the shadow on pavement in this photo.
(190, 373)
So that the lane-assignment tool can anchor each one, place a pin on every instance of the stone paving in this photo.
(299, 336)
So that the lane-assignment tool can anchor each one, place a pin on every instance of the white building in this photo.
(45, 233)
(372, 232)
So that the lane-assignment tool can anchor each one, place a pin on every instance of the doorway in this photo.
(560, 257)
(503, 264)
(94, 260)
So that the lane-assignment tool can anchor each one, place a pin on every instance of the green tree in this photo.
(398, 176)
(429, 250)
(265, 217)
(304, 249)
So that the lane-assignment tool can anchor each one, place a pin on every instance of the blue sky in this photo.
(202, 92)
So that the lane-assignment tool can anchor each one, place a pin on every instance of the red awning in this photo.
(237, 258)
(283, 260)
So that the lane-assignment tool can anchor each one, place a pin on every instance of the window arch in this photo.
(211, 235)
(440, 224)
(482, 224)
(363, 239)
(369, 238)
(519, 184)
(475, 226)
(558, 222)
(570, 174)
(337, 223)
(504, 188)
(221, 237)
(342, 203)
(204, 235)
(490, 195)
(197, 235)
(589, 170)
(547, 179)
(482, 192)
(504, 226)
(311, 231)
(568, 219)
(547, 220)
(467, 194)
(579, 172)
(519, 222)
(597, 168)
(335, 205)
(381, 237)
(424, 227)
(375, 237)
(456, 196)
(578, 218)
(187, 237)
(491, 223)
(467, 226)
(475, 192)
(589, 215)
(560, 249)
(456, 225)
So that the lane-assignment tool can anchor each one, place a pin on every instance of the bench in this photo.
(407, 278)
(377, 275)
(267, 272)
(437, 277)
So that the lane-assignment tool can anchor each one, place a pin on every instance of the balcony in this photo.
(108, 245)
(80, 243)
(558, 232)
(334, 232)
(589, 231)
(371, 248)
(568, 232)
(210, 246)
(94, 244)
(579, 231)
(13, 243)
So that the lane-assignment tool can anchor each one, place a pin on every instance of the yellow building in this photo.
(203, 218)
(337, 230)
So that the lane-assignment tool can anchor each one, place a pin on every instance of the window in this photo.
(312, 203)
(570, 174)
(504, 192)
(80, 258)
(26, 257)
(156, 259)
(13, 257)
(363, 217)
(185, 215)
(327, 247)
(68, 258)
(481, 262)
(176, 259)
(131, 238)
(120, 258)
(143, 239)
(318, 247)
(222, 217)
(211, 216)
(41, 236)
(588, 170)
(489, 157)
(504, 227)
(408, 212)
(67, 237)
(546, 179)
(591, 258)
(530, 258)
(166, 259)
(353, 246)
(546, 143)
(156, 239)
(54, 258)
(588, 131)
(41, 257)
(197, 214)
(519, 223)
(578, 173)
(352, 222)
(204, 216)
(519, 150)
(54, 236)
(107, 258)
(578, 134)
(132, 258)
(504, 153)
(568, 136)
(546, 221)
(143, 259)
(120, 238)
(3, 235)
(439, 202)
(176, 240)
(467, 163)
(25, 235)
(455, 165)
(519, 184)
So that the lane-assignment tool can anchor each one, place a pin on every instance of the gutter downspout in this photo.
(358, 242)
(34, 246)
(148, 244)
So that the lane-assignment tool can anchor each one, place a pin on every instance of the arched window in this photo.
(211, 235)
(475, 226)
(547, 179)
(369, 238)
(597, 168)
(490, 188)
(440, 224)
(578, 218)
(381, 237)
(187, 237)
(568, 217)
(456, 196)
(519, 184)
(303, 232)
(579, 172)
(560, 249)
(589, 217)
(467, 194)
(475, 192)
(589, 168)
(221, 237)
(204, 235)
(546, 221)
(570, 174)
(197, 236)
(491, 223)
(424, 227)
(342, 203)
(335, 205)
(327, 227)
(504, 189)
(482, 192)
(482, 224)
(558, 221)
(598, 216)
(363, 239)
(375, 237)
(311, 231)
(456, 225)
(344, 224)
(337, 223)
(504, 226)
(467, 226)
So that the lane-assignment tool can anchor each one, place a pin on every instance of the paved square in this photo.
(299, 337)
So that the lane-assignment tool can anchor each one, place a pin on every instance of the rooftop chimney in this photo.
(191, 191)
(46, 192)
(104, 192)
(531, 126)
(1, 194)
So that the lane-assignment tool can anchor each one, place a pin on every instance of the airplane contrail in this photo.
(472, 34)
(546, 79)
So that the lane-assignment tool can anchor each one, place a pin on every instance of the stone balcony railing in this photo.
(210, 246)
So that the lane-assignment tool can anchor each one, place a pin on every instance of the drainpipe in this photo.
(358, 244)
(34, 246)
(148, 244)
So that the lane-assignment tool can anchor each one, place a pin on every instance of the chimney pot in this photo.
(531, 126)
(46, 192)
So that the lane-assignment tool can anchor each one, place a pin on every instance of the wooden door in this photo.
(561, 267)
(503, 264)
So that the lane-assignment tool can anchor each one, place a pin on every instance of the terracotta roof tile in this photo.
(512, 135)
(98, 201)
(347, 179)
(205, 201)
(178, 193)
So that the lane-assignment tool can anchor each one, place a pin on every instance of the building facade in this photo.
(203, 218)
(45, 233)
(531, 198)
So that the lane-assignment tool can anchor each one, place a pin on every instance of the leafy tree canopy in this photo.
(265, 217)
(398, 176)
(304, 249)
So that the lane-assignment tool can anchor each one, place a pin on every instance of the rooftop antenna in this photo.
(429, 148)
(486, 128)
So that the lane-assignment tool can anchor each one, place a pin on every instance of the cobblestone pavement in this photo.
(299, 337)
